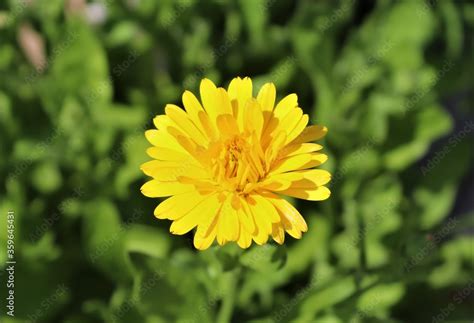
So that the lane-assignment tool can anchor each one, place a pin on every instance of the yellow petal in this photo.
(182, 120)
(170, 171)
(278, 233)
(299, 148)
(193, 108)
(223, 102)
(240, 90)
(207, 228)
(274, 184)
(178, 205)
(208, 126)
(289, 122)
(162, 122)
(155, 188)
(228, 225)
(191, 104)
(265, 207)
(307, 179)
(318, 194)
(278, 182)
(209, 98)
(291, 229)
(246, 219)
(300, 126)
(261, 213)
(161, 153)
(288, 212)
(156, 167)
(286, 104)
(290, 177)
(245, 238)
(253, 117)
(311, 133)
(297, 162)
(316, 176)
(163, 139)
(227, 125)
(190, 146)
(274, 149)
(260, 235)
(266, 96)
(269, 127)
(186, 223)
(205, 234)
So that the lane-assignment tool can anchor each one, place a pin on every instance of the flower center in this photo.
(234, 153)
(236, 163)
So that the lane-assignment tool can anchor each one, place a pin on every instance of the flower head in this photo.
(225, 162)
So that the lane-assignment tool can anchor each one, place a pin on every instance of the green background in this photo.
(392, 80)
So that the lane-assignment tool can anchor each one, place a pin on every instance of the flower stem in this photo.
(228, 302)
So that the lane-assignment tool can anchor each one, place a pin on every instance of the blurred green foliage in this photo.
(74, 107)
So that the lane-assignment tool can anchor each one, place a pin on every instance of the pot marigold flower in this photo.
(225, 163)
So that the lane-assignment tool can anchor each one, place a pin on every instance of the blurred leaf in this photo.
(104, 240)
(46, 177)
(378, 300)
(146, 240)
(341, 289)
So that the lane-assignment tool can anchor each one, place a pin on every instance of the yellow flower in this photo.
(226, 162)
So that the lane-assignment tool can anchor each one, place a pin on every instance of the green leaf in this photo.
(378, 300)
(104, 239)
(147, 240)
(46, 177)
